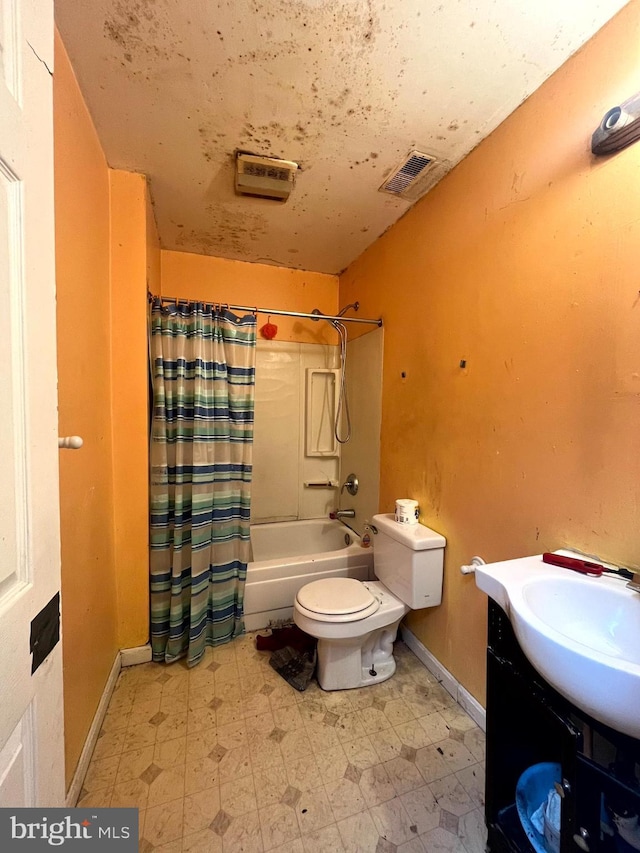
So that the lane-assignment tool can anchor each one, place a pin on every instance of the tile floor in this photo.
(227, 757)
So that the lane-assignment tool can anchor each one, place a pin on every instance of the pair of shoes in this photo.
(296, 668)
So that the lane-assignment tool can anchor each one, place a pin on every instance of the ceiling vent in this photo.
(266, 177)
(413, 177)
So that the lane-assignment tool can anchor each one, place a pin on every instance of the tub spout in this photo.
(343, 513)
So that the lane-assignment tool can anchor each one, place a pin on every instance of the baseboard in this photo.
(462, 696)
(89, 745)
(139, 654)
(473, 708)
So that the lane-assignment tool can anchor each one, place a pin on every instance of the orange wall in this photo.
(205, 278)
(134, 252)
(84, 399)
(107, 252)
(523, 263)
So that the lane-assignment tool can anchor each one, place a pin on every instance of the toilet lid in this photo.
(337, 599)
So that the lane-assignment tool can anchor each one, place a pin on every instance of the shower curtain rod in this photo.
(274, 311)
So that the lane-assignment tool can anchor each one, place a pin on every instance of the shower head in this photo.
(354, 305)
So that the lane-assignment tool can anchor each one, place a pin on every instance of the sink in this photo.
(581, 633)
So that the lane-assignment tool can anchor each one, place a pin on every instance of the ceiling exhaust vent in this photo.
(413, 177)
(266, 177)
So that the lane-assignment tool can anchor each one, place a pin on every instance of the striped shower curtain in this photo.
(203, 378)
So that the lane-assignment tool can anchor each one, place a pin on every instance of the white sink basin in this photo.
(581, 633)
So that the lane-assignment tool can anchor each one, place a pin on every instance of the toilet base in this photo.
(383, 671)
(346, 664)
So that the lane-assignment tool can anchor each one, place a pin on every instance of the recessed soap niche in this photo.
(321, 405)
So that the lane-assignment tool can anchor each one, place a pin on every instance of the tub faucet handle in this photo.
(351, 485)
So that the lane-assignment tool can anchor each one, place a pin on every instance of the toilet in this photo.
(356, 622)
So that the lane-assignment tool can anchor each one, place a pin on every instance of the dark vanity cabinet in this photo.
(528, 723)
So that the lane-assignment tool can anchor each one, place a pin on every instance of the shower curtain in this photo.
(203, 379)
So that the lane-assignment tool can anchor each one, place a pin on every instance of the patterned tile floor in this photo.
(227, 757)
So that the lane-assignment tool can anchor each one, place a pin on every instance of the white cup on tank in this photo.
(407, 511)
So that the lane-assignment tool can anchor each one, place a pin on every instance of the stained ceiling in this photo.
(346, 88)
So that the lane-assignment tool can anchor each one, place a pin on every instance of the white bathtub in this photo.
(289, 554)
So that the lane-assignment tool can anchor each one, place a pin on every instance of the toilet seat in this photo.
(336, 600)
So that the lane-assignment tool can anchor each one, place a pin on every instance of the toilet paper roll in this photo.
(407, 511)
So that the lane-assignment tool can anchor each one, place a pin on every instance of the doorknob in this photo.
(70, 442)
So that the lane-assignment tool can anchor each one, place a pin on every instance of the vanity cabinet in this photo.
(528, 722)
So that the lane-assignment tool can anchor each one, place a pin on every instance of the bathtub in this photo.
(289, 554)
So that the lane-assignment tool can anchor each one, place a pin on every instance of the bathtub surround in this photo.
(203, 377)
(280, 464)
(284, 471)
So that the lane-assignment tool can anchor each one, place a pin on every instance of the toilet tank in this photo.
(409, 560)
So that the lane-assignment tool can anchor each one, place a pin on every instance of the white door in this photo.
(31, 731)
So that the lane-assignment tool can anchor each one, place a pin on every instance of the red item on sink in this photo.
(573, 563)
